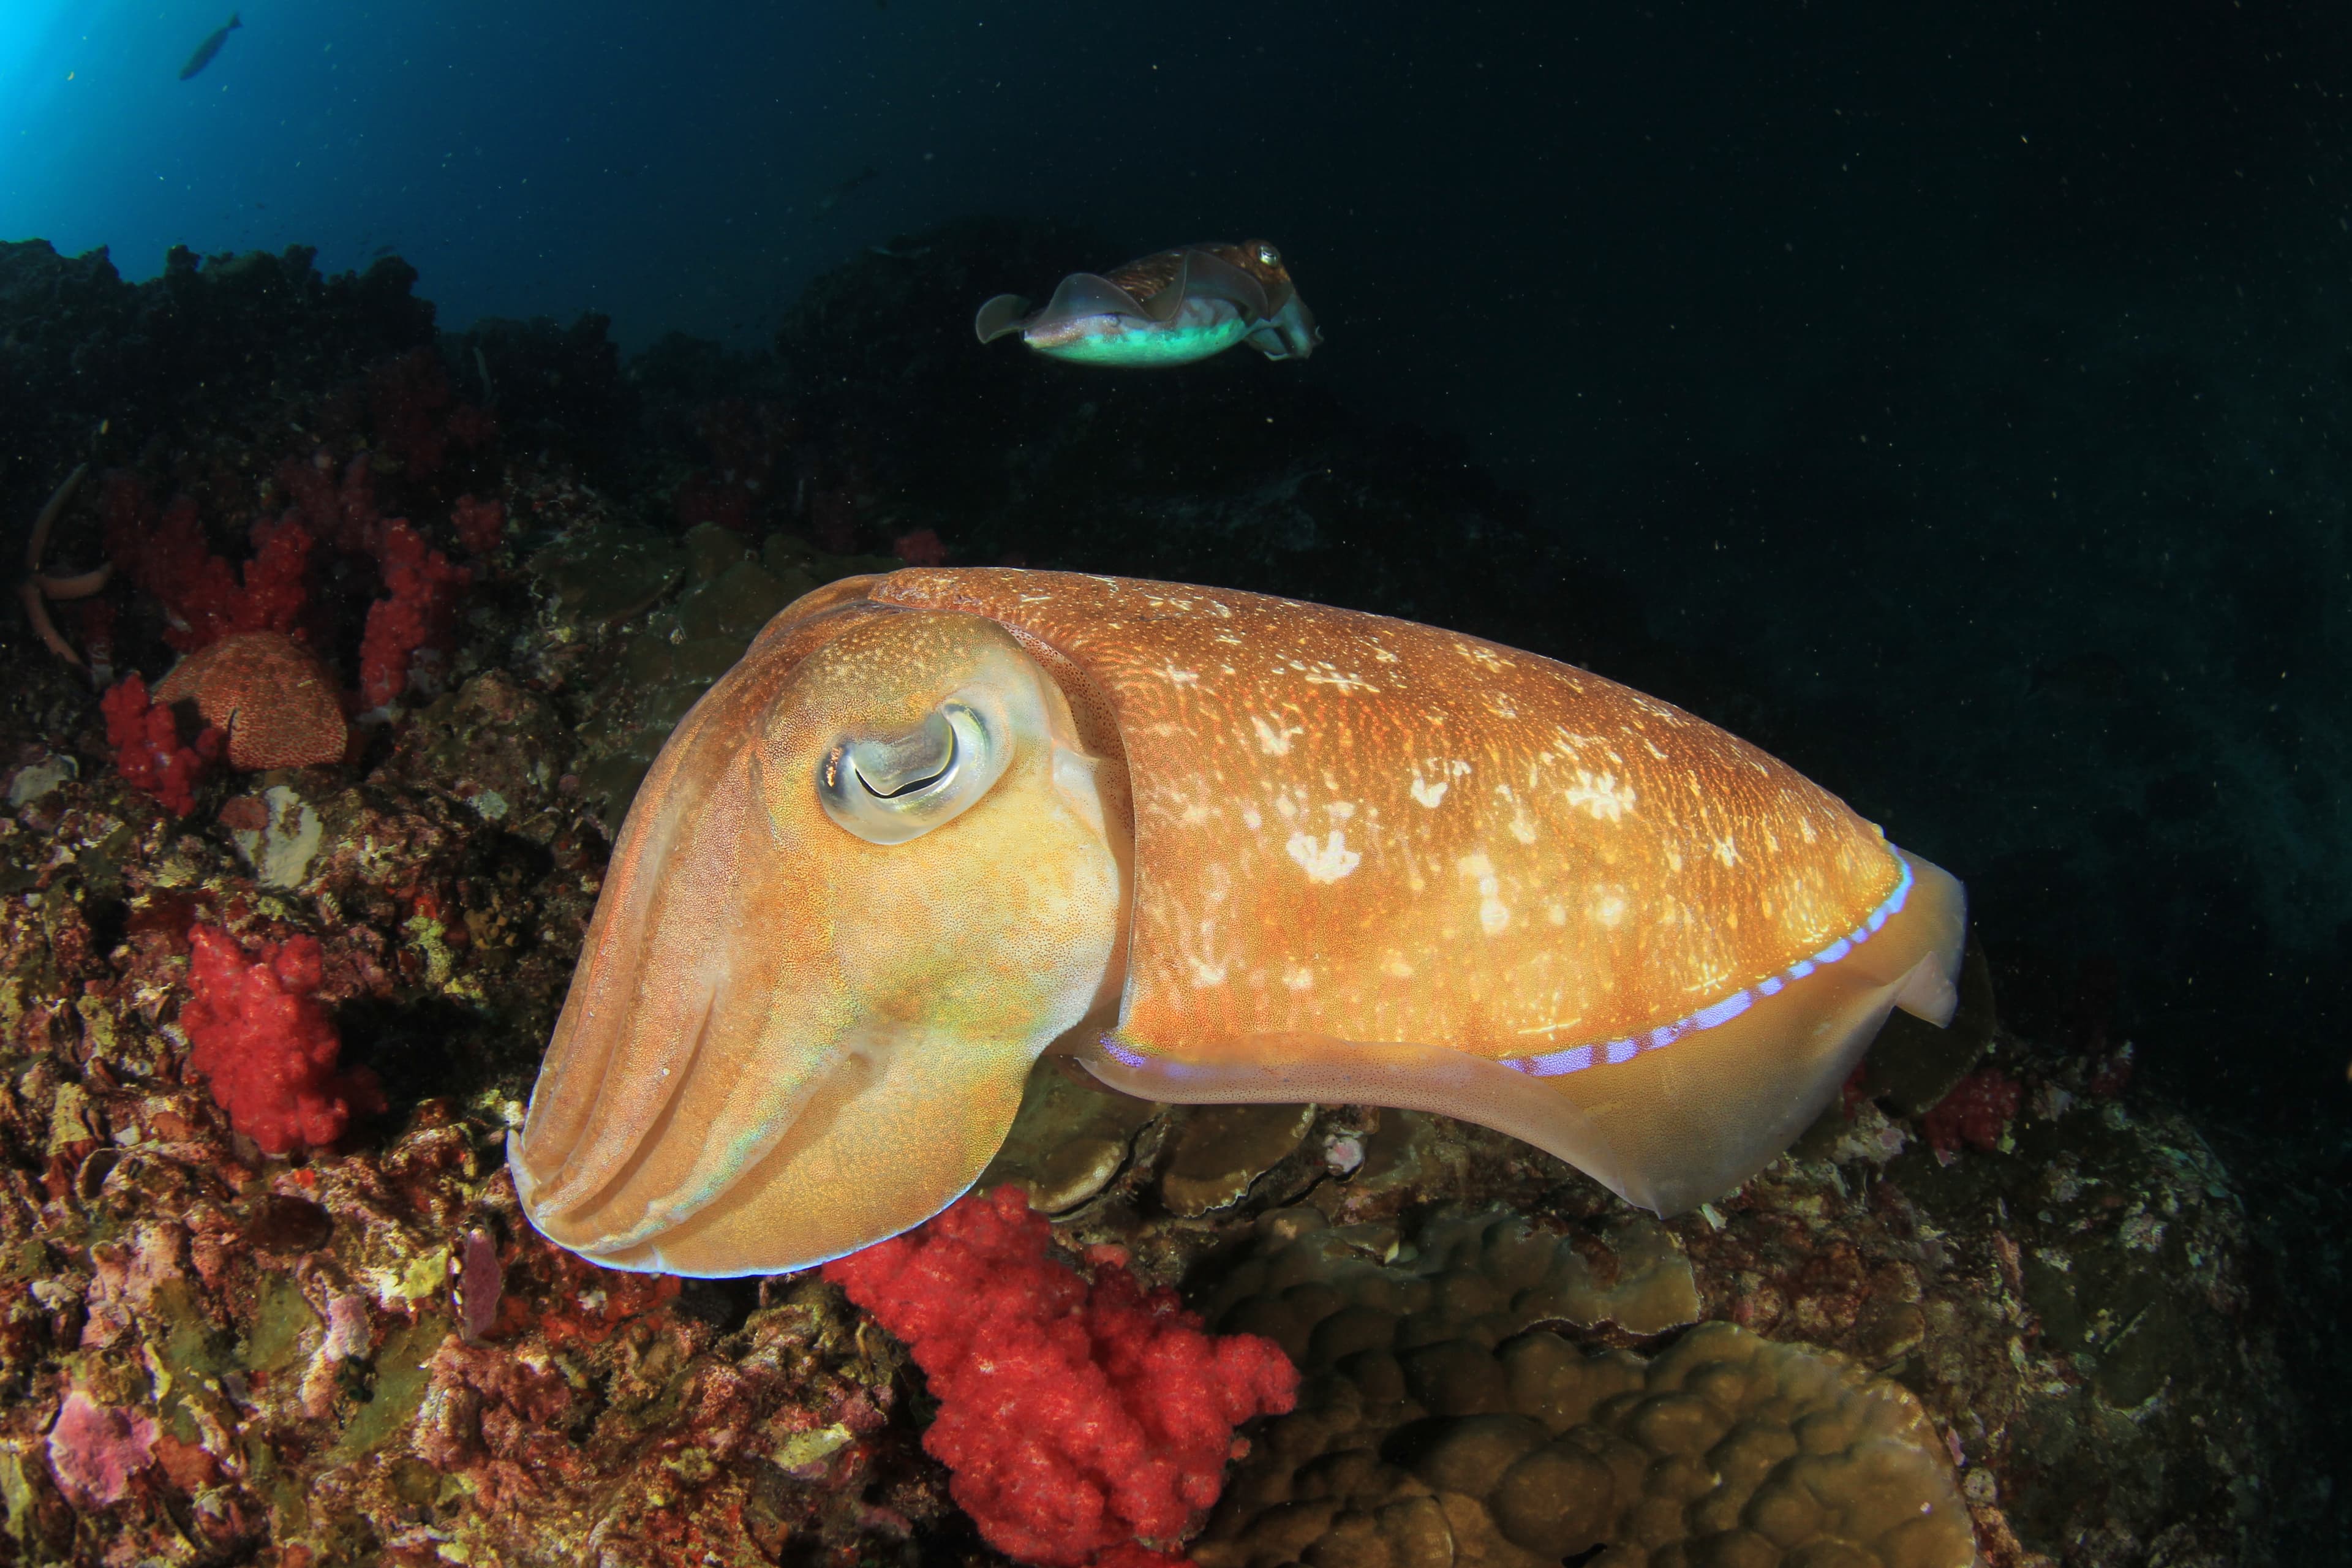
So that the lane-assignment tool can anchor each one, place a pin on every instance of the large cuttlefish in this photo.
(1217, 846)
(1170, 308)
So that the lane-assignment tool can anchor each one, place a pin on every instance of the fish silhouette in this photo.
(209, 47)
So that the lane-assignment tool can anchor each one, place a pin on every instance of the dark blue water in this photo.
(1956, 401)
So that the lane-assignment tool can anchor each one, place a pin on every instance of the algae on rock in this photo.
(664, 661)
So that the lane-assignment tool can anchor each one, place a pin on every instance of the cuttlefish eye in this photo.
(1267, 256)
(888, 789)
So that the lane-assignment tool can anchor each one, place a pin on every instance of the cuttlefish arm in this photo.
(797, 1027)
(1170, 308)
(1218, 847)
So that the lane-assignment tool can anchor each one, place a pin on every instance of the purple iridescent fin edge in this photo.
(1576, 1058)
(1121, 1051)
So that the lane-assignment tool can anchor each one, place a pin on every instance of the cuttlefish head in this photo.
(1167, 309)
(872, 878)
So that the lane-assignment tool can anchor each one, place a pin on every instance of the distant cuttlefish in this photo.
(1173, 308)
(209, 47)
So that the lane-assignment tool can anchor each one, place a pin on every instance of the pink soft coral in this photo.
(263, 1039)
(1084, 1424)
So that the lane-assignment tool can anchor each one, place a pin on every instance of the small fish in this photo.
(209, 47)
(384, 251)
(1218, 847)
(1173, 308)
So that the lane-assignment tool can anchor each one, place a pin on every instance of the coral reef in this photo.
(1727, 1448)
(355, 1352)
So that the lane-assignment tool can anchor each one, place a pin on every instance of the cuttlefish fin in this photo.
(1162, 306)
(1085, 294)
(1667, 1127)
(1004, 314)
(1208, 275)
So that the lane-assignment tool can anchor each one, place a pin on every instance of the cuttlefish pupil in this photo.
(891, 768)
(892, 790)
(884, 792)
(937, 823)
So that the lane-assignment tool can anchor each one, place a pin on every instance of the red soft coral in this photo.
(416, 415)
(261, 1037)
(416, 615)
(1084, 1424)
(342, 513)
(481, 525)
(1975, 1112)
(205, 597)
(148, 750)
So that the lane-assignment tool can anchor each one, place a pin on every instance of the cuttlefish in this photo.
(1171, 308)
(1216, 846)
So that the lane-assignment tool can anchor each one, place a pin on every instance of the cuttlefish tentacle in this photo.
(1170, 308)
(1218, 847)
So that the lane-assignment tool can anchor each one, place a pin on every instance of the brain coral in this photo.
(1438, 1424)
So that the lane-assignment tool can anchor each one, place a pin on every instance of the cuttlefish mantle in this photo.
(1216, 846)
(1169, 308)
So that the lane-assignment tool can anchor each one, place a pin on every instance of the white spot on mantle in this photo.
(1493, 915)
(1325, 862)
(1601, 796)
(1273, 739)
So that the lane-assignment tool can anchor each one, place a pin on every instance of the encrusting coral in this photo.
(1440, 1419)
(269, 694)
(95, 1449)
(1488, 1275)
